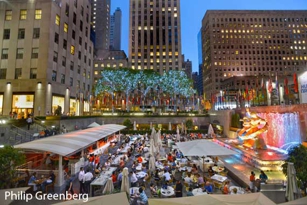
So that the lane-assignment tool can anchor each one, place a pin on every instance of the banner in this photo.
(303, 89)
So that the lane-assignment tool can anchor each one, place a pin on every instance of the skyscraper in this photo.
(101, 23)
(116, 30)
(46, 57)
(251, 43)
(155, 35)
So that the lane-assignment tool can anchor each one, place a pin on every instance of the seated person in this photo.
(194, 169)
(189, 193)
(209, 188)
(32, 181)
(158, 163)
(140, 159)
(234, 191)
(248, 190)
(263, 177)
(154, 190)
(210, 171)
(141, 196)
(48, 181)
(114, 177)
(167, 175)
(226, 188)
(200, 179)
(107, 164)
(170, 157)
(188, 179)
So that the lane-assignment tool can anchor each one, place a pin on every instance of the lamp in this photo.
(49, 83)
(39, 83)
(8, 83)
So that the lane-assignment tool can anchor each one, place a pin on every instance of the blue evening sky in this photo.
(192, 12)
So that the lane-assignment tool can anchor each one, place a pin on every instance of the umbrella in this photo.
(109, 188)
(210, 130)
(159, 141)
(178, 135)
(134, 125)
(203, 148)
(292, 190)
(152, 163)
(94, 124)
(152, 148)
(182, 128)
(153, 132)
(125, 181)
(169, 126)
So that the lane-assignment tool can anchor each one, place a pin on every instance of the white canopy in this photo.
(216, 199)
(210, 130)
(72, 142)
(94, 124)
(203, 148)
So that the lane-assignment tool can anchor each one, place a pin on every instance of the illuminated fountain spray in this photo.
(283, 130)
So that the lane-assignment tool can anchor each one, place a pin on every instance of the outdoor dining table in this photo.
(219, 178)
(168, 192)
(102, 179)
(124, 150)
(218, 169)
(185, 168)
(240, 190)
(134, 190)
(116, 160)
(141, 175)
(198, 191)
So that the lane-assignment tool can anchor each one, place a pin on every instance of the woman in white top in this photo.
(107, 164)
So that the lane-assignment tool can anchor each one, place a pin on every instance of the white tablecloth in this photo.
(133, 190)
(116, 160)
(198, 191)
(219, 178)
(141, 175)
(240, 190)
(104, 176)
(168, 192)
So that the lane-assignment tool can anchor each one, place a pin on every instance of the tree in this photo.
(189, 124)
(298, 155)
(10, 159)
(127, 123)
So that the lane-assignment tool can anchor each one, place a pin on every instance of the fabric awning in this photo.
(72, 142)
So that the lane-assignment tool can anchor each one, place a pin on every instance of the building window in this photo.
(23, 14)
(86, 31)
(5, 53)
(17, 73)
(73, 34)
(8, 15)
(33, 73)
(64, 44)
(79, 68)
(55, 56)
(80, 41)
(63, 78)
(53, 75)
(19, 53)
(64, 61)
(38, 14)
(36, 32)
(34, 53)
(6, 33)
(71, 81)
(21, 33)
(56, 38)
(57, 20)
(71, 65)
(74, 20)
(81, 25)
(82, 10)
(79, 55)
(3, 73)
(72, 50)
(67, 10)
(65, 27)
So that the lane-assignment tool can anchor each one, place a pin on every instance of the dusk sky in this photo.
(192, 12)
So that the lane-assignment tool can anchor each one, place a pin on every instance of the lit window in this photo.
(23, 14)
(72, 50)
(96, 72)
(38, 14)
(65, 27)
(57, 20)
(8, 15)
(96, 65)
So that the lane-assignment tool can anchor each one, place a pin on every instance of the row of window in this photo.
(65, 26)
(71, 81)
(21, 33)
(281, 19)
(55, 57)
(18, 73)
(23, 13)
(19, 53)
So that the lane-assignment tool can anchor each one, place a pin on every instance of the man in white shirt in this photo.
(87, 179)
(188, 179)
(81, 177)
(167, 175)
(133, 179)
